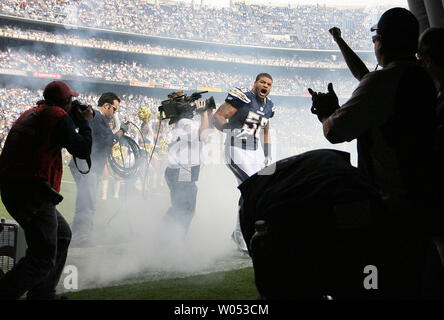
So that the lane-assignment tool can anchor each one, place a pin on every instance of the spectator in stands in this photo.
(391, 114)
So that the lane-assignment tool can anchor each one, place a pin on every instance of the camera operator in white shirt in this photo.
(184, 160)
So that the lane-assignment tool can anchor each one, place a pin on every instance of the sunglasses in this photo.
(376, 37)
(114, 107)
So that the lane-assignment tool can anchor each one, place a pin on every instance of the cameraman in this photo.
(87, 184)
(183, 167)
(30, 177)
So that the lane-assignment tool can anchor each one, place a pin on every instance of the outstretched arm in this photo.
(354, 63)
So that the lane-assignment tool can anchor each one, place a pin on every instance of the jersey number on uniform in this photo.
(253, 123)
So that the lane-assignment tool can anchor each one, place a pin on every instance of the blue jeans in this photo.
(87, 185)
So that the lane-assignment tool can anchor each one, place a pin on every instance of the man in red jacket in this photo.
(30, 178)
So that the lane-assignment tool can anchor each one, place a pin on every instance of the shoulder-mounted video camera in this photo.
(77, 105)
(183, 106)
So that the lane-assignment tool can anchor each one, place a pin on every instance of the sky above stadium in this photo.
(366, 3)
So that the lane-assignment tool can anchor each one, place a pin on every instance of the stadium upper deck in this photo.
(303, 27)
(292, 59)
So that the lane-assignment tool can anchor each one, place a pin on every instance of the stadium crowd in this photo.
(287, 27)
(293, 59)
(287, 83)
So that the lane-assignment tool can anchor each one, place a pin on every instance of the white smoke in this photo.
(131, 246)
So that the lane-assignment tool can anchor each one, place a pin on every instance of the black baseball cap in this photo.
(398, 24)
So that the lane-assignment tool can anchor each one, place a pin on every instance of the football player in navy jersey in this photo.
(245, 118)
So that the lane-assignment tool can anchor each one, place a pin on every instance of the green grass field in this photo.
(230, 285)
(225, 285)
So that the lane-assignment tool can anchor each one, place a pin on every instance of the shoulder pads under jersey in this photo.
(240, 94)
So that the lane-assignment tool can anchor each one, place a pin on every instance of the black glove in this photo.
(124, 127)
(324, 104)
